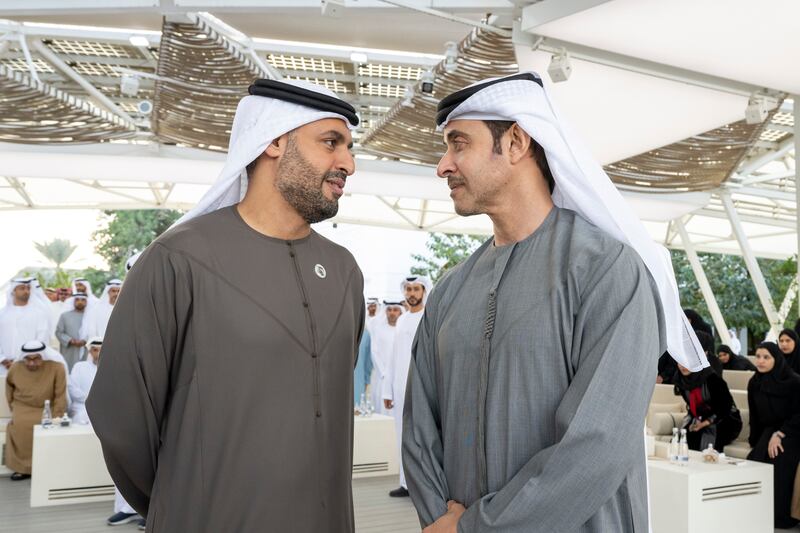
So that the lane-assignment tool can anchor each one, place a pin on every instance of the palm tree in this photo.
(56, 251)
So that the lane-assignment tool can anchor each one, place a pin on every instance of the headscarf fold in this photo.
(582, 185)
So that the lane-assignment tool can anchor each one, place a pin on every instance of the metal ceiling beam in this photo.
(634, 64)
(751, 165)
(61, 31)
(342, 53)
(545, 11)
(448, 16)
(60, 7)
(750, 180)
(19, 187)
(102, 100)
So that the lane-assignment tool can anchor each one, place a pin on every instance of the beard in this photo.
(300, 184)
(412, 301)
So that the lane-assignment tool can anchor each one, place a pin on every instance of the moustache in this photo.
(334, 175)
(455, 181)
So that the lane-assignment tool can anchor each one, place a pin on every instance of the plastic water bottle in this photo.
(47, 415)
(673, 447)
(370, 407)
(362, 404)
(65, 420)
(683, 452)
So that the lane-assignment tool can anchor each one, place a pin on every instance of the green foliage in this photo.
(56, 251)
(733, 288)
(128, 232)
(445, 250)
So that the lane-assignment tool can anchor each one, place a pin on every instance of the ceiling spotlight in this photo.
(427, 82)
(560, 67)
(332, 8)
(129, 85)
(758, 108)
(408, 97)
(358, 57)
(145, 107)
(451, 57)
(138, 40)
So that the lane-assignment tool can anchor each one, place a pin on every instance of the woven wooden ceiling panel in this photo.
(698, 163)
(34, 112)
(207, 78)
(410, 132)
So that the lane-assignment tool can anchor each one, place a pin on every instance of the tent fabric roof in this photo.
(642, 100)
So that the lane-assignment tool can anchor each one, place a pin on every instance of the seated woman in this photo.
(773, 396)
(38, 376)
(712, 416)
(731, 361)
(787, 342)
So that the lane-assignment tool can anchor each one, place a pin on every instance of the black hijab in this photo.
(780, 381)
(693, 380)
(793, 359)
(697, 322)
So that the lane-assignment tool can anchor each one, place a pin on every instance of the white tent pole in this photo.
(752, 266)
(797, 180)
(702, 280)
(788, 300)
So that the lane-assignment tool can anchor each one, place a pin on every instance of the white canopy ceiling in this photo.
(646, 73)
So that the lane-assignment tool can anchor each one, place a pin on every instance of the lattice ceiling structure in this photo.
(193, 67)
(408, 131)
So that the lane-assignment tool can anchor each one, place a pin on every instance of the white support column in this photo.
(788, 300)
(752, 266)
(796, 102)
(702, 280)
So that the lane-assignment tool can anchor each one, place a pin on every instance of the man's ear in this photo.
(277, 147)
(519, 143)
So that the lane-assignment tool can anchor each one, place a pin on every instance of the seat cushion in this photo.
(737, 449)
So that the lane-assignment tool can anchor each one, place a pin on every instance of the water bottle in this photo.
(362, 403)
(47, 415)
(65, 420)
(683, 453)
(672, 454)
(370, 407)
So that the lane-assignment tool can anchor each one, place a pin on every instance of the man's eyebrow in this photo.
(338, 136)
(452, 134)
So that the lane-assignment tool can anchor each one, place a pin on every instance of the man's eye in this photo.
(330, 142)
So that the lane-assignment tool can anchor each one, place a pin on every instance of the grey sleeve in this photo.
(61, 331)
(423, 454)
(600, 420)
(129, 395)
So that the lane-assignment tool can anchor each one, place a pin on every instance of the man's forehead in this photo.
(323, 124)
(462, 125)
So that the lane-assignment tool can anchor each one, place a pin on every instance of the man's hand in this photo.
(697, 426)
(447, 523)
(388, 404)
(775, 446)
(77, 342)
(659, 379)
(6, 363)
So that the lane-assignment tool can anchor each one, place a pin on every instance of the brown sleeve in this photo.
(60, 392)
(129, 395)
(10, 387)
